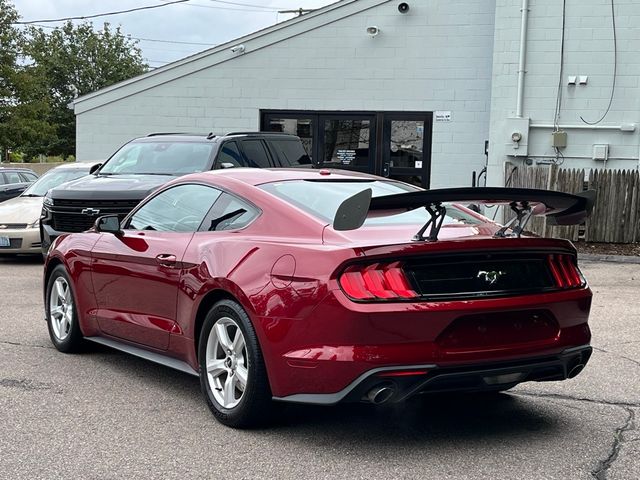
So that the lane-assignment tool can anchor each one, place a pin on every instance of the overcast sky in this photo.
(207, 22)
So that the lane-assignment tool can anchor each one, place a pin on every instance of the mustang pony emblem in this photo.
(491, 277)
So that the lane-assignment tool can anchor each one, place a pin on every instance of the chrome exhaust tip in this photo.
(380, 394)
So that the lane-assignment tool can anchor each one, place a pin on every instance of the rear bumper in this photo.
(470, 378)
(339, 342)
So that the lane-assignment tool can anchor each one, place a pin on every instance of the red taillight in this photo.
(565, 271)
(377, 281)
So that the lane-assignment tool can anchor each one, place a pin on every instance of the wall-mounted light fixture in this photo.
(238, 49)
(373, 31)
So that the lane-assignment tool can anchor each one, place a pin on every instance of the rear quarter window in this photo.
(290, 152)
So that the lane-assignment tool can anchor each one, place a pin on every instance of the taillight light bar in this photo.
(378, 281)
(565, 272)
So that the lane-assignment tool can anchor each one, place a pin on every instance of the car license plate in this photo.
(4, 242)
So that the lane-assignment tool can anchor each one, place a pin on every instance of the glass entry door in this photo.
(390, 144)
(406, 146)
(348, 141)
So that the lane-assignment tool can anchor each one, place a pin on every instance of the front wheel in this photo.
(233, 376)
(61, 312)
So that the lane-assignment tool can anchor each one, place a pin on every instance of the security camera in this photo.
(372, 31)
(403, 7)
(237, 49)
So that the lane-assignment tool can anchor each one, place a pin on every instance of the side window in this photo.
(230, 154)
(229, 213)
(13, 177)
(255, 154)
(28, 177)
(291, 153)
(178, 209)
(3, 180)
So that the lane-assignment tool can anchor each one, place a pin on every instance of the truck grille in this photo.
(67, 216)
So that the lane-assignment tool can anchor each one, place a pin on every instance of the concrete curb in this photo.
(634, 259)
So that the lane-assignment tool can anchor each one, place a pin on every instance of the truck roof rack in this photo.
(157, 134)
(259, 133)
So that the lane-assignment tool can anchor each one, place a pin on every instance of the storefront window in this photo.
(346, 143)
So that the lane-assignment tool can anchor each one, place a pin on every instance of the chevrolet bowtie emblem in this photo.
(3, 226)
(90, 211)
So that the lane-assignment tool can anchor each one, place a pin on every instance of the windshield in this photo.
(52, 179)
(159, 158)
(322, 200)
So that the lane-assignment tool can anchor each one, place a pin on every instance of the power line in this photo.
(615, 67)
(106, 14)
(172, 41)
(197, 5)
(178, 42)
(247, 5)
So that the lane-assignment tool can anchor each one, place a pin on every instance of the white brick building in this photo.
(418, 99)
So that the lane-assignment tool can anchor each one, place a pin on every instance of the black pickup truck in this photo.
(144, 164)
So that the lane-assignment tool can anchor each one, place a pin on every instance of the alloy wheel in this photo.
(227, 362)
(61, 308)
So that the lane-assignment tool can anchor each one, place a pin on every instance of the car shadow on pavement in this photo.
(424, 419)
(10, 259)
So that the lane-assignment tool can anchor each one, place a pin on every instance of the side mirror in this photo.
(226, 165)
(108, 224)
(94, 168)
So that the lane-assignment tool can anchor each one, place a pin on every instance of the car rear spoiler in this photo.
(559, 208)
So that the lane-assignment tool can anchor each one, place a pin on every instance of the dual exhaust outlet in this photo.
(380, 394)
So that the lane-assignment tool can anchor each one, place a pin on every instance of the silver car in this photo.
(20, 216)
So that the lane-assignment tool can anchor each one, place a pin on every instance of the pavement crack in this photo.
(28, 385)
(579, 399)
(18, 344)
(599, 349)
(600, 473)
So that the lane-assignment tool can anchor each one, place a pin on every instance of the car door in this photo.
(255, 153)
(12, 185)
(136, 273)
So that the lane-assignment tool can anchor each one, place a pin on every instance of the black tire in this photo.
(65, 336)
(255, 403)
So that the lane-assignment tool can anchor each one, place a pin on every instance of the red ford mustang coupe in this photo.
(320, 286)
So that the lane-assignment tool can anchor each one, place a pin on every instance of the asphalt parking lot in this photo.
(103, 414)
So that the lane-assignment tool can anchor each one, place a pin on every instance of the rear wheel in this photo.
(61, 312)
(232, 372)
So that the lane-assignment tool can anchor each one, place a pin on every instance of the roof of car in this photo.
(16, 169)
(204, 137)
(259, 176)
(76, 165)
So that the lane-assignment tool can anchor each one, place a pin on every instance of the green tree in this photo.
(22, 106)
(75, 60)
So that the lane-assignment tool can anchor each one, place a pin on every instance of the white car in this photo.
(20, 216)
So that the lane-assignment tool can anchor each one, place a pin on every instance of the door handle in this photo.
(166, 260)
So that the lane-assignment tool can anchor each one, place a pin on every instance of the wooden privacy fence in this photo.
(616, 214)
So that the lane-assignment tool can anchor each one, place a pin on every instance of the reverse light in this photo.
(565, 272)
(378, 281)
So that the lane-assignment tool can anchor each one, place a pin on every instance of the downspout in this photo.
(523, 55)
